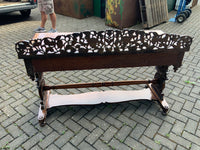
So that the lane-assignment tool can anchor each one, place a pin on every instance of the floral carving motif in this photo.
(102, 43)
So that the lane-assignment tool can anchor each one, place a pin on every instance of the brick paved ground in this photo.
(133, 125)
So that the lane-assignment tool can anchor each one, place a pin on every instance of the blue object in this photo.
(181, 7)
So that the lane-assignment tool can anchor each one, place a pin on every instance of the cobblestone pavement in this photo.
(132, 125)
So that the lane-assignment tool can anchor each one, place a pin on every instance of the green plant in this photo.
(167, 135)
(189, 82)
(157, 142)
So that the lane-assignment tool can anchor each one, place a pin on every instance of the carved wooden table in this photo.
(104, 49)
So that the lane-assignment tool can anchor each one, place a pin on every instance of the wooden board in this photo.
(153, 12)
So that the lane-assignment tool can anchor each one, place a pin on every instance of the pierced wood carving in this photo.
(102, 43)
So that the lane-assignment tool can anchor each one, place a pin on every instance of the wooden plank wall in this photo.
(153, 12)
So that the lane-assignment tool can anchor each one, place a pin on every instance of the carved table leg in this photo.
(43, 109)
(157, 88)
(44, 97)
(42, 116)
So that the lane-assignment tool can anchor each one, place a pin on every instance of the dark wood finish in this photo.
(99, 84)
(111, 61)
(41, 55)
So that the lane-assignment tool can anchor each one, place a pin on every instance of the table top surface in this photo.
(54, 35)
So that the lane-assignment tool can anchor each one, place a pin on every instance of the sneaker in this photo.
(52, 30)
(40, 30)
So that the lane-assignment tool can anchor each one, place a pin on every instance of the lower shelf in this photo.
(93, 98)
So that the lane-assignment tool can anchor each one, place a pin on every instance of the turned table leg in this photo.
(158, 87)
(44, 97)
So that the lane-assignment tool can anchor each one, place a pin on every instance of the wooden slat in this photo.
(156, 12)
(149, 13)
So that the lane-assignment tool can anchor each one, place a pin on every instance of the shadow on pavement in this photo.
(12, 18)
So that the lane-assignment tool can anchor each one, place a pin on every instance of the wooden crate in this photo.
(153, 12)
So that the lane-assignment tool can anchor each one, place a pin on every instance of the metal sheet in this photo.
(74, 8)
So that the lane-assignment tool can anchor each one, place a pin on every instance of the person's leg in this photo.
(53, 20)
(43, 19)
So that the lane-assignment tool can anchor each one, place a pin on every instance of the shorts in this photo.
(46, 6)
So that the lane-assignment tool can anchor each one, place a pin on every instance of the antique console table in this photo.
(104, 49)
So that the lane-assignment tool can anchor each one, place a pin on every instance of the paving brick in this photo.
(113, 121)
(133, 144)
(123, 133)
(177, 107)
(154, 119)
(9, 111)
(100, 123)
(48, 140)
(127, 121)
(90, 115)
(87, 124)
(65, 116)
(129, 110)
(57, 126)
(152, 110)
(180, 140)
(178, 116)
(165, 128)
(79, 137)
(73, 126)
(33, 140)
(188, 106)
(164, 141)
(141, 110)
(7, 102)
(77, 116)
(91, 138)
(137, 131)
(105, 112)
(69, 146)
(177, 98)
(198, 133)
(151, 130)
(22, 110)
(14, 130)
(197, 105)
(52, 147)
(178, 127)
(180, 148)
(195, 90)
(140, 119)
(109, 134)
(115, 144)
(194, 139)
(117, 111)
(18, 141)
(190, 115)
(5, 141)
(99, 145)
(18, 102)
(187, 97)
(191, 126)
(10, 120)
(64, 138)
(165, 148)
(85, 146)
(29, 129)
(195, 147)
(149, 143)
(3, 132)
